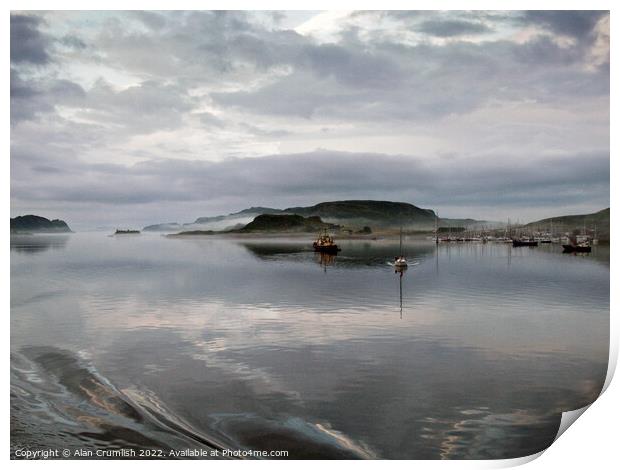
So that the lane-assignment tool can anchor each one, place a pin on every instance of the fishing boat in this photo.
(577, 248)
(325, 243)
(400, 261)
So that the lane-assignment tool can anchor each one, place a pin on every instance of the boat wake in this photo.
(59, 400)
(409, 263)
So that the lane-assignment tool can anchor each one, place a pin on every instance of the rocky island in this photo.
(38, 224)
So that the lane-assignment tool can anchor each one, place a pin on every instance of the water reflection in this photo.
(239, 343)
(355, 254)
(268, 250)
(325, 259)
(400, 270)
(32, 244)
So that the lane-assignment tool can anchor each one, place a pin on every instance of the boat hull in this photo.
(524, 243)
(576, 249)
(332, 249)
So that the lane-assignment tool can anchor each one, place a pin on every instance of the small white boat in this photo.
(400, 261)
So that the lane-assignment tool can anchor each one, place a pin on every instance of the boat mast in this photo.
(401, 241)
(551, 227)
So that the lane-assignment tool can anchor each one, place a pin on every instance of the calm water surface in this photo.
(148, 342)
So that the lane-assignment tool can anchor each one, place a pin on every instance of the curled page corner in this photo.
(568, 418)
(518, 461)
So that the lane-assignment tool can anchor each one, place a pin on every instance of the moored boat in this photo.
(516, 242)
(579, 248)
(400, 261)
(325, 244)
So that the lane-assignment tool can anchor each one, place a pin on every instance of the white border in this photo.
(590, 443)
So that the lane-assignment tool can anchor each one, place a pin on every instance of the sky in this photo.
(140, 117)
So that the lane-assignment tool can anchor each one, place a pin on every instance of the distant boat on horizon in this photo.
(126, 232)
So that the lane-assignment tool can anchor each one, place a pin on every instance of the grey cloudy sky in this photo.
(130, 118)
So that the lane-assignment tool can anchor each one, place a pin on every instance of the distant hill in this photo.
(38, 224)
(218, 222)
(569, 223)
(285, 223)
(368, 212)
(272, 223)
(353, 214)
(165, 227)
(470, 224)
(250, 212)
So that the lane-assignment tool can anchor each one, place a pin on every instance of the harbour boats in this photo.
(517, 242)
(579, 243)
(325, 243)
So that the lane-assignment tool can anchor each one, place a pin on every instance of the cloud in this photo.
(449, 28)
(578, 24)
(421, 82)
(28, 44)
(30, 98)
(247, 66)
(142, 111)
(322, 175)
(72, 42)
(144, 108)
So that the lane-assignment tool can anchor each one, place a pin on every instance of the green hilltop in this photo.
(285, 223)
(368, 212)
(272, 223)
(569, 223)
(353, 214)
